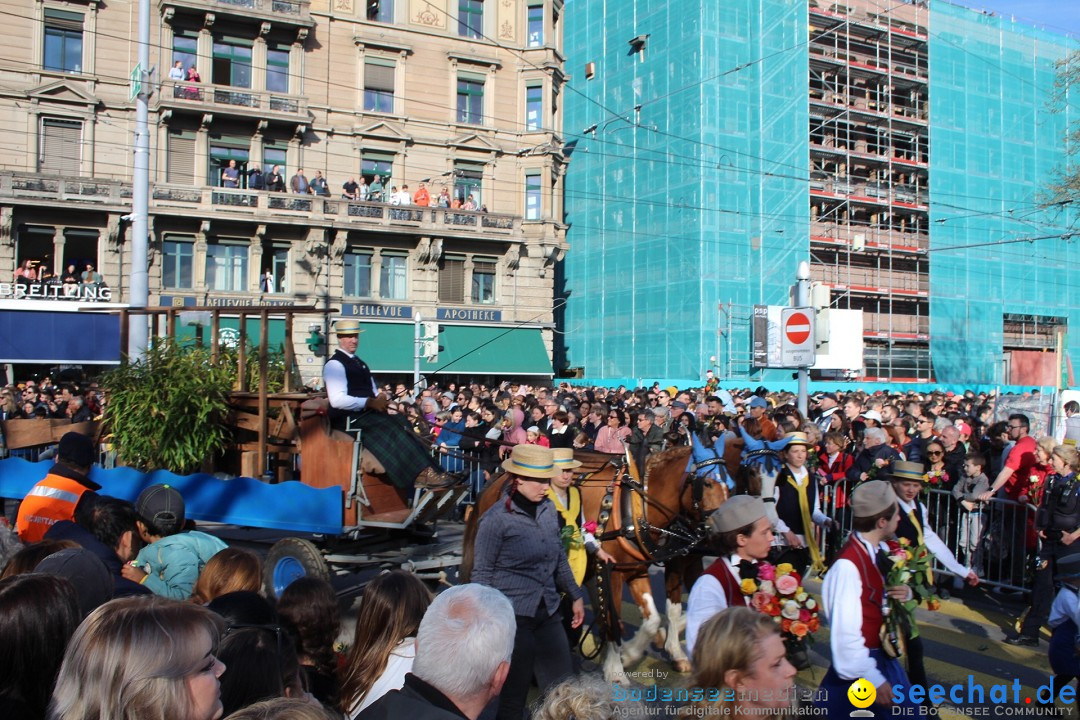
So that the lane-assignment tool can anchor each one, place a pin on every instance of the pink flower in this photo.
(804, 615)
(766, 571)
(760, 601)
(589, 527)
(787, 585)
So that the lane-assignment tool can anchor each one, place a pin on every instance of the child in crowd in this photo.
(172, 559)
(535, 437)
(966, 492)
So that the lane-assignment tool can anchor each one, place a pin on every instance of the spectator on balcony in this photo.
(404, 196)
(275, 181)
(299, 183)
(266, 281)
(193, 77)
(319, 186)
(351, 190)
(92, 277)
(363, 191)
(256, 181)
(395, 196)
(177, 71)
(70, 277)
(444, 198)
(375, 192)
(470, 203)
(422, 197)
(230, 175)
(25, 274)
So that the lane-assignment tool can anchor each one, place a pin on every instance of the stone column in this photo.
(59, 242)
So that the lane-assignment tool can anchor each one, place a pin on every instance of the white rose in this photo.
(790, 610)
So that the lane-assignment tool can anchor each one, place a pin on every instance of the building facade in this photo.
(457, 95)
(902, 149)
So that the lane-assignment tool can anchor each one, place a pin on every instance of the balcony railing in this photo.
(72, 189)
(224, 98)
(290, 11)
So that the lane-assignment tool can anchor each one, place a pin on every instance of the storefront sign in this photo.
(77, 293)
(467, 315)
(376, 311)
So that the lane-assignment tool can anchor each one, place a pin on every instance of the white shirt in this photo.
(707, 598)
(398, 664)
(816, 516)
(935, 544)
(842, 595)
(337, 387)
(1066, 606)
(176, 73)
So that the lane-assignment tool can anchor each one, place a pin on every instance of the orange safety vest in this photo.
(50, 501)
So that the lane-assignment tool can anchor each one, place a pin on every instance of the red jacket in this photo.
(833, 474)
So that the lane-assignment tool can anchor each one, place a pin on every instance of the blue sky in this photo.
(1055, 15)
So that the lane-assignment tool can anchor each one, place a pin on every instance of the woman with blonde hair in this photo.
(141, 658)
(384, 645)
(283, 709)
(740, 662)
(231, 570)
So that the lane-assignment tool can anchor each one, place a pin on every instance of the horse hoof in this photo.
(682, 666)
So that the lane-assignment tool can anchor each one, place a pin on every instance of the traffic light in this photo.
(430, 340)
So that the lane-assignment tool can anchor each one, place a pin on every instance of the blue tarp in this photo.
(244, 501)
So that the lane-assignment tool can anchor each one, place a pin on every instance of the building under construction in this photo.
(903, 149)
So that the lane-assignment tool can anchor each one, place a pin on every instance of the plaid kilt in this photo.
(392, 441)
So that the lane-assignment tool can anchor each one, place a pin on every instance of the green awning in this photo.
(468, 350)
(230, 332)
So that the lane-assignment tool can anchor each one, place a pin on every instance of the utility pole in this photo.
(140, 193)
(802, 299)
(418, 347)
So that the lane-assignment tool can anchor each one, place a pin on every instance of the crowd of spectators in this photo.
(43, 399)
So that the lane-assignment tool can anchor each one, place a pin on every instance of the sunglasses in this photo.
(934, 453)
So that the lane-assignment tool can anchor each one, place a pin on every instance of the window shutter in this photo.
(63, 19)
(452, 280)
(378, 77)
(61, 146)
(181, 162)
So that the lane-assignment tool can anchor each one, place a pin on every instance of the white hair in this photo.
(876, 434)
(467, 631)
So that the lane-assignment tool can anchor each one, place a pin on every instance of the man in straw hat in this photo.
(855, 597)
(908, 480)
(798, 507)
(743, 534)
(353, 395)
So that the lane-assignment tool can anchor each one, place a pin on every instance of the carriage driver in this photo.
(353, 396)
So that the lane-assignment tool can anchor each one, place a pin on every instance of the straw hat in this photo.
(797, 438)
(347, 327)
(531, 461)
(564, 458)
(903, 470)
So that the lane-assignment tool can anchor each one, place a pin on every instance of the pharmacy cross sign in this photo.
(797, 328)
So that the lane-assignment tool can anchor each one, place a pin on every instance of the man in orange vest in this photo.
(59, 493)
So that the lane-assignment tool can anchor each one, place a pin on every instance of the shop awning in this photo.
(230, 332)
(467, 350)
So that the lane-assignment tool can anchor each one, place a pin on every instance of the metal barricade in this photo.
(454, 460)
(996, 540)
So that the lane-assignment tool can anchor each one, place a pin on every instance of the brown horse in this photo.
(639, 523)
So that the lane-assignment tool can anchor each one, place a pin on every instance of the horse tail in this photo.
(486, 500)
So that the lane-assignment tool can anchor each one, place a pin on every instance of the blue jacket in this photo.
(174, 562)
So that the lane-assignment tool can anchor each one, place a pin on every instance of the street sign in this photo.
(136, 81)
(797, 337)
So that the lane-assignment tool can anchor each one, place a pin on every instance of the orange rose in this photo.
(933, 604)
(799, 628)
(785, 625)
(814, 624)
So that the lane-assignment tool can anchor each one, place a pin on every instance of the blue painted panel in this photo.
(244, 501)
(60, 337)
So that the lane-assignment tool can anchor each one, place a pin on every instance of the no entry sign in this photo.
(797, 337)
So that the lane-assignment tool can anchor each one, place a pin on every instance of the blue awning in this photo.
(70, 338)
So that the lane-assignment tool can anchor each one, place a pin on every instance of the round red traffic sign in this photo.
(797, 328)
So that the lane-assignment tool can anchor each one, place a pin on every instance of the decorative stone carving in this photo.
(208, 20)
(264, 29)
(7, 217)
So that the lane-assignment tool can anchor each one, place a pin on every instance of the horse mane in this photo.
(666, 456)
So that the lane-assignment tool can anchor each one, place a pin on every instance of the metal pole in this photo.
(416, 352)
(802, 299)
(140, 193)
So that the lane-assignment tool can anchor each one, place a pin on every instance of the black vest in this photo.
(357, 379)
(787, 506)
(906, 528)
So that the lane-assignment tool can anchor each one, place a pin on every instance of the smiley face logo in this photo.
(862, 694)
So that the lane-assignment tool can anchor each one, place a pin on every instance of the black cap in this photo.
(163, 506)
(77, 449)
(92, 581)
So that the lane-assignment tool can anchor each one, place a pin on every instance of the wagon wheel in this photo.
(290, 559)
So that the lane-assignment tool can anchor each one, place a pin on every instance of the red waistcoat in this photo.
(722, 572)
(873, 590)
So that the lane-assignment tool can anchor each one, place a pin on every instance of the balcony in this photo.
(37, 189)
(288, 12)
(225, 100)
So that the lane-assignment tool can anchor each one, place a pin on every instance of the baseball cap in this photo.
(163, 507)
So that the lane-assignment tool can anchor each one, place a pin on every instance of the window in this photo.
(274, 157)
(226, 266)
(471, 18)
(275, 258)
(534, 106)
(380, 10)
(392, 285)
(185, 48)
(177, 261)
(379, 86)
(358, 273)
(232, 62)
(483, 281)
(63, 40)
(468, 177)
(535, 26)
(532, 196)
(180, 158)
(61, 146)
(376, 163)
(470, 100)
(452, 279)
(220, 155)
(277, 69)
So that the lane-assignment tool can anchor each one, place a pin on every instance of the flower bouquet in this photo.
(910, 566)
(936, 479)
(777, 592)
